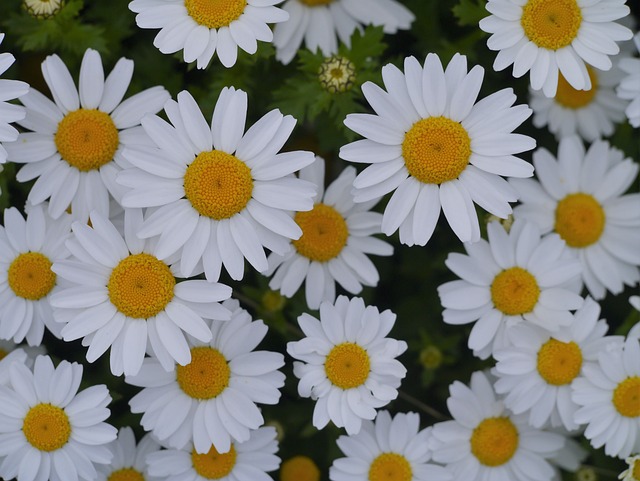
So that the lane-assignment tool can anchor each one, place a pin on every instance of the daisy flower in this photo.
(515, 277)
(42, 9)
(119, 294)
(28, 249)
(49, 430)
(569, 458)
(629, 88)
(579, 197)
(536, 370)
(202, 28)
(336, 236)
(222, 195)
(486, 441)
(552, 37)
(349, 366)
(250, 460)
(389, 448)
(632, 473)
(129, 461)
(608, 393)
(299, 468)
(74, 149)
(212, 399)
(434, 146)
(320, 23)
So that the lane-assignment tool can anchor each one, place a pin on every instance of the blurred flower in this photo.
(43, 8)
(629, 87)
(129, 460)
(633, 472)
(11, 352)
(299, 468)
(431, 357)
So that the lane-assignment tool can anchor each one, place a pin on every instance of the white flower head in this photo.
(129, 459)
(632, 473)
(43, 9)
(629, 88)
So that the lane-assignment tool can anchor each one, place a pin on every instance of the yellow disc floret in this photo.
(206, 376)
(347, 365)
(494, 441)
(215, 13)
(30, 276)
(515, 291)
(214, 465)
(559, 362)
(324, 233)
(636, 469)
(87, 139)
(571, 98)
(141, 286)
(316, 3)
(390, 467)
(126, 474)
(436, 150)
(626, 397)
(46, 427)
(337, 74)
(580, 220)
(551, 24)
(299, 468)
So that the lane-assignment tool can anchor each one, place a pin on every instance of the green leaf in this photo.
(470, 12)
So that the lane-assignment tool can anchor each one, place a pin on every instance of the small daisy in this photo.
(320, 23)
(43, 8)
(515, 277)
(579, 196)
(212, 399)
(629, 88)
(129, 462)
(609, 395)
(222, 194)
(336, 236)
(49, 431)
(552, 37)
(433, 146)
(247, 461)
(74, 149)
(203, 27)
(389, 448)
(299, 468)
(349, 364)
(120, 295)
(632, 473)
(485, 441)
(28, 249)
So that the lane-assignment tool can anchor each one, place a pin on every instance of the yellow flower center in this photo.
(30, 276)
(299, 468)
(559, 362)
(46, 427)
(141, 286)
(218, 184)
(126, 474)
(337, 74)
(431, 357)
(214, 465)
(515, 291)
(571, 98)
(206, 376)
(87, 139)
(636, 469)
(580, 220)
(347, 365)
(3, 354)
(390, 467)
(215, 13)
(551, 24)
(626, 397)
(494, 441)
(324, 233)
(436, 150)
(315, 3)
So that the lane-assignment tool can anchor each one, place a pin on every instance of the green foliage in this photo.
(470, 12)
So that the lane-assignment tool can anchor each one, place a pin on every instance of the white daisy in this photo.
(202, 27)
(486, 441)
(609, 395)
(389, 448)
(629, 88)
(48, 430)
(632, 473)
(129, 462)
(28, 249)
(120, 295)
(433, 145)
(223, 195)
(552, 37)
(515, 277)
(247, 461)
(336, 236)
(349, 366)
(320, 23)
(74, 149)
(579, 196)
(212, 399)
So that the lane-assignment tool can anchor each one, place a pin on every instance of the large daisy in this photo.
(129, 461)
(579, 196)
(629, 88)
(119, 294)
(433, 145)
(222, 194)
(552, 37)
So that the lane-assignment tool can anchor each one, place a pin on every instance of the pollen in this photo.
(324, 233)
(214, 465)
(347, 365)
(571, 98)
(337, 74)
(494, 441)
(218, 184)
(515, 291)
(87, 139)
(299, 468)
(206, 376)
(126, 474)
(626, 397)
(141, 286)
(30, 276)
(580, 220)
(46, 427)
(559, 362)
(551, 24)
(436, 150)
(390, 467)
(215, 13)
